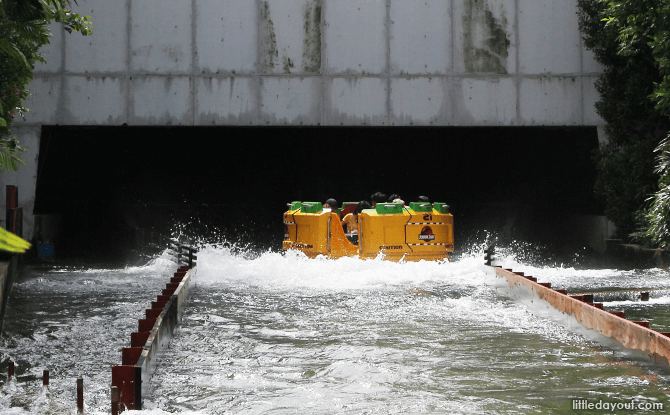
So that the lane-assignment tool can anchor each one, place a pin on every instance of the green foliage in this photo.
(655, 220)
(24, 29)
(10, 151)
(644, 25)
(629, 88)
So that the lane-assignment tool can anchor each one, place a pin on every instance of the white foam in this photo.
(294, 270)
(458, 296)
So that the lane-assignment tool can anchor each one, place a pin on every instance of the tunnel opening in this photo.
(233, 183)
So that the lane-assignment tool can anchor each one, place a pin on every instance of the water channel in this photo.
(281, 334)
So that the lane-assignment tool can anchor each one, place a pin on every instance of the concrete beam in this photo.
(320, 62)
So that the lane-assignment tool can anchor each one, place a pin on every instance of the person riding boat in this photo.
(378, 197)
(330, 205)
(351, 221)
(395, 198)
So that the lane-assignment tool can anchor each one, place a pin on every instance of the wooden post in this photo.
(13, 218)
(115, 400)
(80, 395)
(12, 197)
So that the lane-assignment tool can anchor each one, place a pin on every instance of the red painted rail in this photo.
(131, 378)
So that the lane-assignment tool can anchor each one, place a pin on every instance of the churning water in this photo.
(279, 333)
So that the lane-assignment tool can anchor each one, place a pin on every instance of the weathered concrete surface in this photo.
(9, 271)
(319, 62)
(627, 333)
(133, 378)
(25, 179)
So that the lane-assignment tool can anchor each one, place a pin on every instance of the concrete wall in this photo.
(593, 230)
(319, 62)
(25, 179)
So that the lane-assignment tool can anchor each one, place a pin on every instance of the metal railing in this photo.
(185, 255)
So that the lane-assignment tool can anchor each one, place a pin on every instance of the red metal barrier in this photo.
(115, 400)
(139, 339)
(154, 334)
(12, 197)
(631, 334)
(80, 395)
(152, 313)
(158, 305)
(130, 355)
(128, 381)
(146, 324)
(14, 214)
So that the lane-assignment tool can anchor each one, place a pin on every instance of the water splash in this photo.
(293, 270)
(268, 330)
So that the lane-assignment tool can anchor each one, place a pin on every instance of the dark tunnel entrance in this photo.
(233, 183)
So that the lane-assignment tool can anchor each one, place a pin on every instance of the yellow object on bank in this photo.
(12, 243)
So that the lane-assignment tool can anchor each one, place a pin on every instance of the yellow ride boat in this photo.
(419, 231)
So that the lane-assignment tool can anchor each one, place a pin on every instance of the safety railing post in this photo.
(115, 400)
(80, 395)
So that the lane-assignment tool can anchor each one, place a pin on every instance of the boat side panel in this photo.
(290, 229)
(311, 236)
(409, 235)
(339, 244)
(430, 231)
(449, 221)
(383, 233)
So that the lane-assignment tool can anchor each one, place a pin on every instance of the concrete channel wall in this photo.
(635, 335)
(154, 334)
(9, 271)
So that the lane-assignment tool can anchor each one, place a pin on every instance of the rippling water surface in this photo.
(280, 333)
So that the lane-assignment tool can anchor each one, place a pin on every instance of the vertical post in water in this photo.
(488, 255)
(12, 197)
(10, 371)
(45, 382)
(80, 395)
(12, 204)
(115, 400)
(177, 248)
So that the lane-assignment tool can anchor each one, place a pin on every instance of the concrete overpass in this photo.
(312, 63)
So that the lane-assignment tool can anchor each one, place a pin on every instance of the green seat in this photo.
(421, 207)
(389, 208)
(441, 207)
(312, 207)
